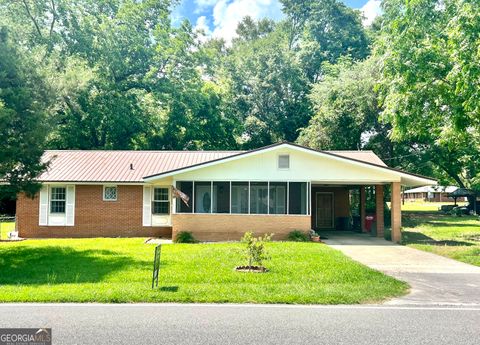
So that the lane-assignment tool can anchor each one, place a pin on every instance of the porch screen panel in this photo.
(278, 198)
(221, 197)
(187, 188)
(203, 197)
(258, 197)
(239, 197)
(297, 198)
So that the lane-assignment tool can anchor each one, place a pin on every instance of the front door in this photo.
(324, 210)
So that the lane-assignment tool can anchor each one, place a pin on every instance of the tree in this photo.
(22, 115)
(268, 88)
(122, 76)
(323, 31)
(346, 107)
(429, 51)
(347, 116)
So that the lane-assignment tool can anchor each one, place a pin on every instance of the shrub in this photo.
(456, 211)
(185, 237)
(298, 236)
(255, 252)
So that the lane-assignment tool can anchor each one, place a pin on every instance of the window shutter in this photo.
(43, 206)
(70, 206)
(147, 206)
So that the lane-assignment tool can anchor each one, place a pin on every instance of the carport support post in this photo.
(363, 200)
(396, 212)
(379, 205)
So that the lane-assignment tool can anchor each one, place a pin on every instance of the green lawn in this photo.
(454, 237)
(421, 206)
(5, 228)
(119, 270)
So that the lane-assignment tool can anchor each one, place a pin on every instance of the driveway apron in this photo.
(434, 280)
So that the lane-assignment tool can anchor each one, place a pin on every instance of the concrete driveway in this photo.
(434, 280)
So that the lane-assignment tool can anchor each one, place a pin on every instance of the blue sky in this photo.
(219, 18)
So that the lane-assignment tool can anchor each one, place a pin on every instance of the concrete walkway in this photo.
(434, 279)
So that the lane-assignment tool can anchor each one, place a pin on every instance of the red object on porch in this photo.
(368, 223)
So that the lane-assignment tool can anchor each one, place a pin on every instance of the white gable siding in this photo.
(304, 166)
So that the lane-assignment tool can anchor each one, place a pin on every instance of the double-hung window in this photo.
(57, 199)
(161, 201)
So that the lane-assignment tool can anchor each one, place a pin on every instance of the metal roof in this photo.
(432, 189)
(116, 166)
(364, 156)
(133, 166)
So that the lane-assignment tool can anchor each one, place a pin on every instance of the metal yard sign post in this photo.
(156, 265)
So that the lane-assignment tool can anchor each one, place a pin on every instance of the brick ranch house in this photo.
(277, 188)
(431, 194)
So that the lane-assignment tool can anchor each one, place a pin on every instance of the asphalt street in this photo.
(246, 324)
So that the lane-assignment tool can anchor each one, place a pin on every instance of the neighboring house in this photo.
(277, 188)
(430, 193)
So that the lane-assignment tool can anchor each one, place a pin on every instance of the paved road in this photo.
(246, 324)
(434, 279)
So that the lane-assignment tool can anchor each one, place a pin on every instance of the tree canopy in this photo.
(118, 74)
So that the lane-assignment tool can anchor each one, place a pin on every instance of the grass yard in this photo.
(454, 237)
(5, 228)
(422, 206)
(119, 270)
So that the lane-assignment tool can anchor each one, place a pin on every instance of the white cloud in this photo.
(202, 27)
(202, 5)
(205, 3)
(371, 10)
(227, 14)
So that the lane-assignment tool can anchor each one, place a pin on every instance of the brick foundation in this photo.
(229, 227)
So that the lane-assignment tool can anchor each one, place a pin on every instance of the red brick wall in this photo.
(93, 216)
(231, 227)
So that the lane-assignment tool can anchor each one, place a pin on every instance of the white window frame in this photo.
(51, 199)
(164, 201)
(116, 192)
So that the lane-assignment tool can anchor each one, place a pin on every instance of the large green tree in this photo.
(429, 51)
(122, 75)
(267, 83)
(323, 31)
(22, 116)
(346, 107)
(347, 116)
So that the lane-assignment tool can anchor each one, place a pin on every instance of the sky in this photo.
(219, 18)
